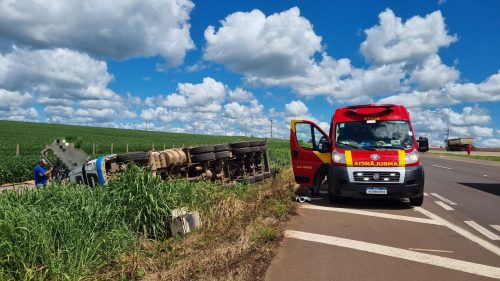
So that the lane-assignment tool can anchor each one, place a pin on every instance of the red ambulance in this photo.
(370, 152)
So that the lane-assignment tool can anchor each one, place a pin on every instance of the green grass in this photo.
(33, 137)
(481, 157)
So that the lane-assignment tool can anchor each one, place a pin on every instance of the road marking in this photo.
(372, 214)
(472, 237)
(485, 175)
(426, 194)
(483, 230)
(442, 204)
(430, 250)
(459, 265)
(495, 226)
(444, 199)
(443, 167)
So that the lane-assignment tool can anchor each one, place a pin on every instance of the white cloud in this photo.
(240, 95)
(281, 44)
(393, 41)
(432, 74)
(490, 143)
(117, 29)
(9, 98)
(55, 73)
(469, 116)
(296, 108)
(19, 114)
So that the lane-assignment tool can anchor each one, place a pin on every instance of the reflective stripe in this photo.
(325, 156)
(98, 168)
(348, 158)
(402, 158)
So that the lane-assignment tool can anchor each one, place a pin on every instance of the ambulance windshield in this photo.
(374, 134)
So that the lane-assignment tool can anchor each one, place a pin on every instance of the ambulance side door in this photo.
(310, 148)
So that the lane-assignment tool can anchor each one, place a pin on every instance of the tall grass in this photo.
(68, 231)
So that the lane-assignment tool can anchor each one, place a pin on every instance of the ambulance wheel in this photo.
(417, 201)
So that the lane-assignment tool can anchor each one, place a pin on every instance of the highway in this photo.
(455, 235)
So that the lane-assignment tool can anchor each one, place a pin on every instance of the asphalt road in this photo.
(455, 235)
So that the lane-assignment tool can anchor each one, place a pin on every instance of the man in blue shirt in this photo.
(41, 175)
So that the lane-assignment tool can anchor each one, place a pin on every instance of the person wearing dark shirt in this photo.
(41, 175)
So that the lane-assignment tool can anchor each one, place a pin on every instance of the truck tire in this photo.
(221, 147)
(222, 154)
(241, 150)
(256, 143)
(267, 175)
(263, 147)
(203, 157)
(241, 144)
(255, 148)
(417, 201)
(201, 149)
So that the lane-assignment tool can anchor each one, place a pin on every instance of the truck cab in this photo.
(370, 151)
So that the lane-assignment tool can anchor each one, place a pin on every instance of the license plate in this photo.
(376, 190)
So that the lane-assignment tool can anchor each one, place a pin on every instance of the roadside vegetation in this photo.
(120, 232)
(480, 157)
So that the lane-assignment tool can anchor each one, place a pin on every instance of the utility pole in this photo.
(448, 133)
(271, 128)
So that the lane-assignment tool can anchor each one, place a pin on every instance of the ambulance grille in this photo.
(370, 176)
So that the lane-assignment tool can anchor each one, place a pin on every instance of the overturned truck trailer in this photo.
(224, 163)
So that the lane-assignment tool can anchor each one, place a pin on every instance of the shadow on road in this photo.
(493, 188)
(350, 203)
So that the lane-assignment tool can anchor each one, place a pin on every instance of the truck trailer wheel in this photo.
(255, 148)
(221, 147)
(201, 149)
(263, 147)
(241, 144)
(133, 156)
(259, 177)
(222, 154)
(242, 150)
(203, 157)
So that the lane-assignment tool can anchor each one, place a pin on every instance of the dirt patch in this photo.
(237, 242)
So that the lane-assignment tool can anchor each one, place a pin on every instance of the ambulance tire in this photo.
(417, 201)
(333, 198)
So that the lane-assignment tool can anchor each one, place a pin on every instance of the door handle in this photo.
(295, 153)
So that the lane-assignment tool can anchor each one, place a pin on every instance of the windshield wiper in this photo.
(389, 147)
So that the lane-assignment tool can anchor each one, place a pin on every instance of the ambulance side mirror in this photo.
(324, 145)
(423, 144)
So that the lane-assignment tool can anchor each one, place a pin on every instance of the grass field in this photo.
(71, 232)
(32, 138)
(481, 157)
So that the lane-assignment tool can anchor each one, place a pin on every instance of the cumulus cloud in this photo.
(393, 41)
(9, 98)
(296, 108)
(19, 114)
(278, 45)
(240, 95)
(469, 116)
(116, 29)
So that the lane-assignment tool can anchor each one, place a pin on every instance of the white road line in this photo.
(443, 167)
(483, 230)
(459, 265)
(485, 175)
(429, 250)
(426, 194)
(472, 237)
(372, 214)
(444, 206)
(495, 226)
(444, 199)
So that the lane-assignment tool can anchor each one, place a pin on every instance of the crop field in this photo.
(32, 138)
(70, 232)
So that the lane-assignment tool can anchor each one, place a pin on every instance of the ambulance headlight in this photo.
(338, 157)
(411, 157)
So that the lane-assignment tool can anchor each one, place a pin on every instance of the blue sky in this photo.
(158, 62)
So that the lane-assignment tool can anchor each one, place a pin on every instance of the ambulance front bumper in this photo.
(360, 182)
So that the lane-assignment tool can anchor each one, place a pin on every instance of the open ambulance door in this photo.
(310, 148)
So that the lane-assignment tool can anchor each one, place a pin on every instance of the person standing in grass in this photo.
(41, 175)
